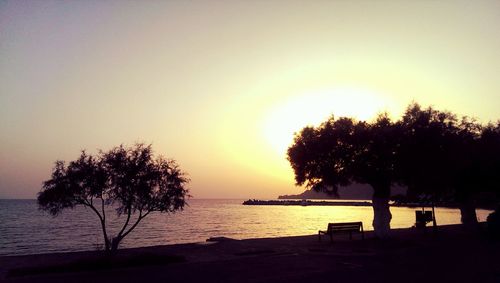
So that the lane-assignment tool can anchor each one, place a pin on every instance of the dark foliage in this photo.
(130, 180)
(426, 150)
(320, 157)
(375, 160)
(444, 157)
(432, 152)
(343, 150)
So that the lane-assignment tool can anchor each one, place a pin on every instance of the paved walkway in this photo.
(452, 255)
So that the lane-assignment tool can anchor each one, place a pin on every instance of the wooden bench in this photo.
(346, 227)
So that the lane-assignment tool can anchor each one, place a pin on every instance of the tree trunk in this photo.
(115, 243)
(381, 217)
(111, 245)
(468, 213)
(107, 245)
(381, 213)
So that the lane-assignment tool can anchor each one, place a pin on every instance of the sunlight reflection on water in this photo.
(26, 230)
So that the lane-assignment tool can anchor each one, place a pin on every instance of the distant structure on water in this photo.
(352, 192)
(305, 202)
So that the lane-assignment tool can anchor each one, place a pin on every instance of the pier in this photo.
(306, 202)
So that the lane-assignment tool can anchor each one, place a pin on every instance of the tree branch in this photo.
(89, 204)
(136, 222)
(102, 220)
(129, 212)
(102, 208)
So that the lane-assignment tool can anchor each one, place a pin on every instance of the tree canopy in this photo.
(446, 157)
(429, 151)
(130, 180)
(341, 151)
(319, 156)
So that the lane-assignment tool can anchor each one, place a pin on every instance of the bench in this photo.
(346, 227)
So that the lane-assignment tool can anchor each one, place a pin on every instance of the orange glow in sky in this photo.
(312, 108)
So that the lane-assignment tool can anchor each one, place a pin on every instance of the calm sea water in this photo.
(26, 230)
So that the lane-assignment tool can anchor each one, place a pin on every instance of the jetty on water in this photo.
(306, 202)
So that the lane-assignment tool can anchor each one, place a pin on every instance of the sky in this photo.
(221, 86)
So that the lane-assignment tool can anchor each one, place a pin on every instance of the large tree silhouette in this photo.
(445, 157)
(130, 180)
(489, 158)
(341, 151)
(431, 152)
(425, 152)
(320, 157)
(374, 164)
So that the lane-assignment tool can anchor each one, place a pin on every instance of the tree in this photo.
(320, 156)
(466, 167)
(130, 180)
(424, 156)
(341, 151)
(431, 152)
(440, 156)
(374, 164)
(489, 158)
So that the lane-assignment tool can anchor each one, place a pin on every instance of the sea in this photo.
(24, 229)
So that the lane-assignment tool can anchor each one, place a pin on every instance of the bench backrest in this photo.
(345, 226)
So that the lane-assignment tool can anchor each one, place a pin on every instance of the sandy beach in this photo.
(452, 255)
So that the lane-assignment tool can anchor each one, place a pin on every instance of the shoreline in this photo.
(270, 259)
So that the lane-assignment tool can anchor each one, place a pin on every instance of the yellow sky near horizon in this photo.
(221, 86)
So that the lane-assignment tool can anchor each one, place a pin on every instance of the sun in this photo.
(292, 114)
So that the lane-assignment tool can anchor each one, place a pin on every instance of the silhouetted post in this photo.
(424, 221)
(434, 225)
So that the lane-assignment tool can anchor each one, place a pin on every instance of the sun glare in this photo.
(312, 108)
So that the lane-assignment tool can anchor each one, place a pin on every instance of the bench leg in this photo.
(331, 237)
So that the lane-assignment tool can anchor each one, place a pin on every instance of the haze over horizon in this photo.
(221, 86)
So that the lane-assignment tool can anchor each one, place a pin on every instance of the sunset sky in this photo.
(221, 86)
